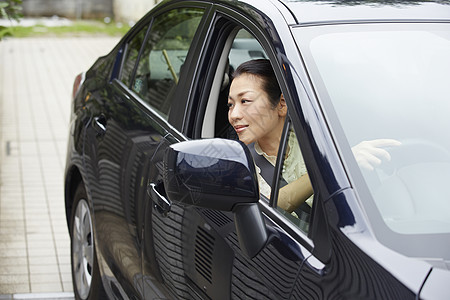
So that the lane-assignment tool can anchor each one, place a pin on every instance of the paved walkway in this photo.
(36, 76)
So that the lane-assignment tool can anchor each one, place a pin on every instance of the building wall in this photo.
(75, 9)
(120, 10)
(132, 10)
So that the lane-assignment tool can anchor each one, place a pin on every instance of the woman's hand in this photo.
(370, 154)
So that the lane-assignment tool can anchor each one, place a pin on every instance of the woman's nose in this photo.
(235, 113)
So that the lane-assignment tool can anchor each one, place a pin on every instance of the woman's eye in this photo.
(230, 105)
(243, 101)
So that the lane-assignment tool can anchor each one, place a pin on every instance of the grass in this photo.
(76, 28)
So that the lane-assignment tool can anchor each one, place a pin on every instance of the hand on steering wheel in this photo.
(370, 154)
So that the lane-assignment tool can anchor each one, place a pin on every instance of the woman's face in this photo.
(251, 113)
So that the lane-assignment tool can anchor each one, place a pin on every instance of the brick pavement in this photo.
(36, 76)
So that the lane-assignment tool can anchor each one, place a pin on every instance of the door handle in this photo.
(99, 124)
(158, 195)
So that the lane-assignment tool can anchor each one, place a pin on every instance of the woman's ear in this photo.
(282, 108)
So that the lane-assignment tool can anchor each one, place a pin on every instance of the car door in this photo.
(129, 124)
(119, 140)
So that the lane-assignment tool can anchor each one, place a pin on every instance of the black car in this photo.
(162, 200)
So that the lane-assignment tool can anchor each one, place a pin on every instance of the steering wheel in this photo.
(411, 152)
(412, 185)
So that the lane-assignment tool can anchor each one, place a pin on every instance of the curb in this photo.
(39, 296)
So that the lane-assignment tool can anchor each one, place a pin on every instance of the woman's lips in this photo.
(240, 128)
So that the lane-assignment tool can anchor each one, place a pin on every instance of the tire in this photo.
(86, 278)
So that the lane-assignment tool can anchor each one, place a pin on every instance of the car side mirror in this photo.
(218, 174)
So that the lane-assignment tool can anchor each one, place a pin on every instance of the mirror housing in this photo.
(218, 174)
(210, 173)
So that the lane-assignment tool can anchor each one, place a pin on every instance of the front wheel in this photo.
(85, 273)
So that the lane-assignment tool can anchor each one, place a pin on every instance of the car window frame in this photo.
(169, 70)
(146, 27)
(176, 118)
(278, 170)
(236, 20)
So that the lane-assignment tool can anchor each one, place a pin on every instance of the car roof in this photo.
(350, 11)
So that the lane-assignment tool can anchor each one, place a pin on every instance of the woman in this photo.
(257, 112)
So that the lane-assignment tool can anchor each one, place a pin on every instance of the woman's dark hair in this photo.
(262, 69)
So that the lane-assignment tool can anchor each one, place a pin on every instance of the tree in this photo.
(11, 10)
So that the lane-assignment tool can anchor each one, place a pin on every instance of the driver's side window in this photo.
(239, 111)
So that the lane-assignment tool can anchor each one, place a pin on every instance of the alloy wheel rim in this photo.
(82, 249)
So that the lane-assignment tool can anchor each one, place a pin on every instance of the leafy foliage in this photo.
(12, 10)
(75, 28)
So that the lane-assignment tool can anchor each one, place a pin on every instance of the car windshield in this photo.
(391, 81)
